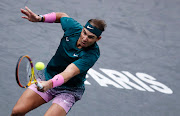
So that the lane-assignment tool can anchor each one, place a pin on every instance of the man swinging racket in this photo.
(64, 76)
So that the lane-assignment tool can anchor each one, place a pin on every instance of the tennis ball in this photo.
(39, 66)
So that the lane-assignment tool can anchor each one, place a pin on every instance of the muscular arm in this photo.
(59, 15)
(71, 71)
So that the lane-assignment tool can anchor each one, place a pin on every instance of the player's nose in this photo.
(85, 38)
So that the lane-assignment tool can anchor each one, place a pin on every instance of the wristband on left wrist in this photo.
(57, 80)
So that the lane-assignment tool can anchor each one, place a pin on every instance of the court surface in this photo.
(138, 73)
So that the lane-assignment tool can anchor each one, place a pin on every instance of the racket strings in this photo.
(24, 72)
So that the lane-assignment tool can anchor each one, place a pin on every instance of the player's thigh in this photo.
(55, 110)
(28, 101)
(62, 103)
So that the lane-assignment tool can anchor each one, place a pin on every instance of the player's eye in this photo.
(90, 37)
(85, 32)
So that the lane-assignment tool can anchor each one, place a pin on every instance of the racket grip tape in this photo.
(39, 85)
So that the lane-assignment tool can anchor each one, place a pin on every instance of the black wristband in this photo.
(41, 18)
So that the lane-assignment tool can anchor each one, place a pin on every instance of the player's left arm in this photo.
(71, 71)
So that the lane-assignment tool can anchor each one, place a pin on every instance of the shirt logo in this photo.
(75, 55)
(67, 39)
(89, 27)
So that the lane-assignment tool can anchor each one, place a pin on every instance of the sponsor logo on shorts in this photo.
(65, 101)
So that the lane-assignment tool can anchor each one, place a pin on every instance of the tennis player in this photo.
(64, 76)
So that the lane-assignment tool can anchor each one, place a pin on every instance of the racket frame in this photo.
(32, 79)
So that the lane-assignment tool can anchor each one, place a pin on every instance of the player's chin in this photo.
(84, 45)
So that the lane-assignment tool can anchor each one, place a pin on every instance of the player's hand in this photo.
(31, 16)
(46, 85)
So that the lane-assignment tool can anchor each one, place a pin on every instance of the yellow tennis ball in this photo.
(39, 66)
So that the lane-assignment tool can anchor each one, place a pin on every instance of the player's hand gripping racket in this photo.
(25, 75)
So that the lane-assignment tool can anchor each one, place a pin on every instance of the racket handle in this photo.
(39, 85)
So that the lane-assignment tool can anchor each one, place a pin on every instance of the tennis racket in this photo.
(25, 75)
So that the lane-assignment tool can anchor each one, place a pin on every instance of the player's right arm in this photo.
(59, 15)
(31, 16)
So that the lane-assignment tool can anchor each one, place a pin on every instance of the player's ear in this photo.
(98, 38)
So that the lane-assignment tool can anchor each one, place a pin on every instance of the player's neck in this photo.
(78, 45)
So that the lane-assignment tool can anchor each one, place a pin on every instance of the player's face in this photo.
(87, 38)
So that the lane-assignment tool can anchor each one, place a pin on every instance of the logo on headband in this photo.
(93, 29)
(89, 27)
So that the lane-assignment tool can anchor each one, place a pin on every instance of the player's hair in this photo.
(98, 23)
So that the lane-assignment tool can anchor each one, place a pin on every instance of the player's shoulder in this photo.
(69, 21)
(70, 26)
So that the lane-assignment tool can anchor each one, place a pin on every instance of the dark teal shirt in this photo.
(68, 53)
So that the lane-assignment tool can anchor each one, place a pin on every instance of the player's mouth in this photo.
(83, 43)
